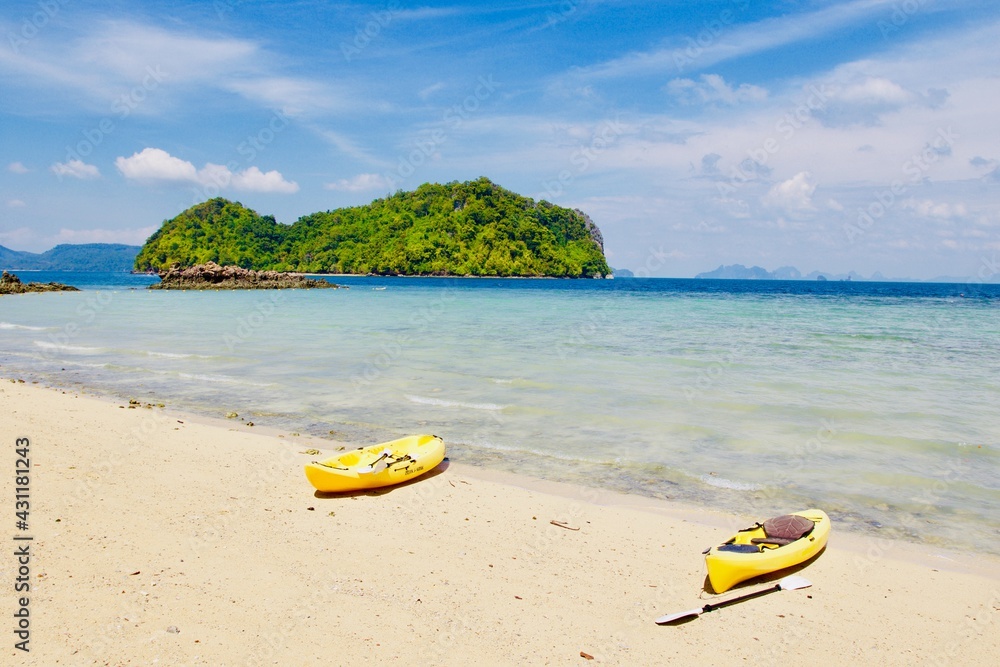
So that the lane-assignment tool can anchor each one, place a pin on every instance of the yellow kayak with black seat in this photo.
(767, 547)
(376, 466)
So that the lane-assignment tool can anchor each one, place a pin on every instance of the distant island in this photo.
(72, 257)
(476, 228)
(740, 272)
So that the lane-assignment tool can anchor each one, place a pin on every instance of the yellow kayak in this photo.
(378, 465)
(767, 547)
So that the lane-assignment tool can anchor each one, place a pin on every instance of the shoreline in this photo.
(163, 536)
(919, 550)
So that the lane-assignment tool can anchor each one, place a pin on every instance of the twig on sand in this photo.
(562, 524)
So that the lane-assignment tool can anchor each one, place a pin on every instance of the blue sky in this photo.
(859, 135)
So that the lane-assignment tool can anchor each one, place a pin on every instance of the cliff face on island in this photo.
(475, 228)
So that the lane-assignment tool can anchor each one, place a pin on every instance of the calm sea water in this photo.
(874, 401)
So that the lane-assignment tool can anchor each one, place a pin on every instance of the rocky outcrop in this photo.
(213, 276)
(592, 229)
(11, 284)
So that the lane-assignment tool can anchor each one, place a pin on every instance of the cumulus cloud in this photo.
(76, 169)
(155, 164)
(864, 101)
(17, 168)
(253, 179)
(793, 196)
(927, 208)
(359, 183)
(712, 88)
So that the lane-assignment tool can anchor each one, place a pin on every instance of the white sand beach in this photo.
(164, 539)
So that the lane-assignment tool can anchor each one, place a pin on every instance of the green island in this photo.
(475, 228)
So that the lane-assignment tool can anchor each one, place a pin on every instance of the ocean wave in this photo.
(454, 404)
(222, 379)
(74, 349)
(723, 483)
(174, 355)
(22, 327)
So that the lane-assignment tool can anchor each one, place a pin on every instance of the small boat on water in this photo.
(379, 465)
(766, 547)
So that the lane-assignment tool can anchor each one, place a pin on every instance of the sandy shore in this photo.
(159, 539)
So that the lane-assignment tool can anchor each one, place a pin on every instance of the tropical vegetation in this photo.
(474, 228)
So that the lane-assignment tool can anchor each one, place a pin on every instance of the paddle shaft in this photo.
(748, 596)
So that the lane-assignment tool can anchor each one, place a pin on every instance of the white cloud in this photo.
(16, 203)
(741, 40)
(359, 183)
(793, 196)
(713, 88)
(876, 90)
(430, 90)
(293, 96)
(155, 164)
(17, 168)
(22, 237)
(927, 208)
(864, 99)
(253, 179)
(76, 169)
(136, 236)
(149, 70)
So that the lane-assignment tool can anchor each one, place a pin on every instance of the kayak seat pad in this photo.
(785, 529)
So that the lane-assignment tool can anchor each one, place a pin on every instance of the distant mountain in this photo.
(72, 257)
(740, 272)
(622, 273)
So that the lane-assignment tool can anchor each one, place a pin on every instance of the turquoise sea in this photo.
(874, 401)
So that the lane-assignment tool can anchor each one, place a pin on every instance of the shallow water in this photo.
(876, 402)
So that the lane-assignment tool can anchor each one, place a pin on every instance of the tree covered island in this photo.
(474, 228)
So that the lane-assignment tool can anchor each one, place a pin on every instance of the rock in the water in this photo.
(213, 276)
(11, 284)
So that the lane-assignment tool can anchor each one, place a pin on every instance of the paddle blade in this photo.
(670, 618)
(794, 582)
